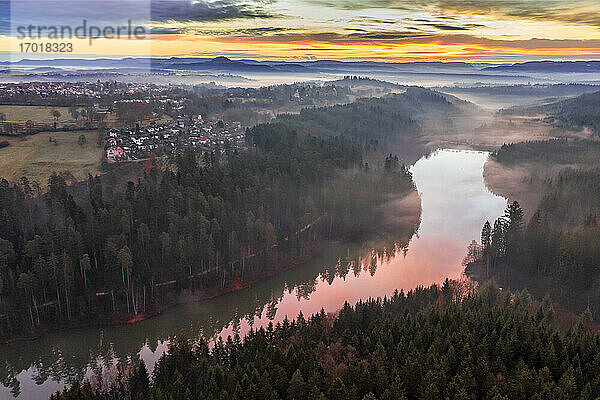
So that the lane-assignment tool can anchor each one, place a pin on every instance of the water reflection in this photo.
(455, 203)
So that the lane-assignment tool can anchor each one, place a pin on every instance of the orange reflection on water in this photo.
(455, 204)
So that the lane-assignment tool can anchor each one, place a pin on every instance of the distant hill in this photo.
(352, 67)
(359, 81)
(225, 64)
(576, 113)
(550, 66)
(220, 64)
(128, 62)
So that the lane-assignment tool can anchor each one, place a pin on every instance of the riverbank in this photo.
(183, 297)
(557, 251)
(403, 211)
(519, 171)
(488, 132)
(519, 182)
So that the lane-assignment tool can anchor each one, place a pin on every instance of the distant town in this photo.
(74, 89)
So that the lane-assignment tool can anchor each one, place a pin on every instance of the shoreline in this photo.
(194, 297)
(408, 207)
(515, 182)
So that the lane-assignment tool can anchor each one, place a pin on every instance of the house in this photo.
(114, 153)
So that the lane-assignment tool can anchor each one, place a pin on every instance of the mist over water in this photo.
(455, 204)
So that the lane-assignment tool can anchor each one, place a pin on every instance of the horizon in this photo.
(241, 59)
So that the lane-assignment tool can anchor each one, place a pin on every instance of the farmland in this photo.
(37, 114)
(37, 157)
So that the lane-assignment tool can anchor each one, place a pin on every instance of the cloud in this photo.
(528, 44)
(332, 38)
(4, 17)
(582, 12)
(162, 30)
(106, 12)
(390, 35)
(267, 30)
(400, 38)
(210, 10)
(240, 32)
(71, 12)
(447, 27)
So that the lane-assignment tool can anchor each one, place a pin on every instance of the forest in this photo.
(557, 251)
(376, 123)
(203, 223)
(559, 151)
(430, 343)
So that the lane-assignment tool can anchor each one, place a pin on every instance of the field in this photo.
(38, 114)
(36, 157)
(42, 115)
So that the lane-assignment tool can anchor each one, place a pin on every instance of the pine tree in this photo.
(139, 382)
(297, 387)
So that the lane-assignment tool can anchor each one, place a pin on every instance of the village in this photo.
(30, 108)
(89, 90)
(158, 139)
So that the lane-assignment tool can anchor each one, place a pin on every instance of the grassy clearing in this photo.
(36, 157)
(42, 115)
(38, 114)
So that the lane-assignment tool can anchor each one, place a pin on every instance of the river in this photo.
(455, 204)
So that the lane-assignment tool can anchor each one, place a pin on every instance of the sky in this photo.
(384, 30)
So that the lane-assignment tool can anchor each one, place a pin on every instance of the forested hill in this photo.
(359, 82)
(562, 152)
(575, 114)
(566, 175)
(427, 344)
(378, 122)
